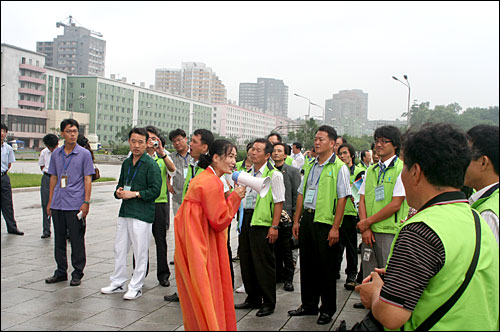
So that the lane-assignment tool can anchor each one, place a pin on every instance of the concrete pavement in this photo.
(28, 303)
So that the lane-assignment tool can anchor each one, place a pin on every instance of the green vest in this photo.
(288, 160)
(350, 209)
(361, 165)
(392, 224)
(489, 203)
(189, 177)
(326, 199)
(264, 206)
(477, 308)
(163, 198)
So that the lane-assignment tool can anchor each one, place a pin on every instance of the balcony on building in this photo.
(31, 92)
(32, 68)
(30, 103)
(31, 79)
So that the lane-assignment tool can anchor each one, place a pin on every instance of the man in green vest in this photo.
(482, 173)
(366, 159)
(259, 231)
(322, 197)
(348, 233)
(382, 203)
(155, 150)
(433, 250)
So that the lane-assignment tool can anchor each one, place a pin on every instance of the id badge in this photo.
(367, 252)
(185, 172)
(379, 193)
(249, 202)
(64, 181)
(127, 188)
(310, 195)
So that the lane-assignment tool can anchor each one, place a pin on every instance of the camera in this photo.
(155, 144)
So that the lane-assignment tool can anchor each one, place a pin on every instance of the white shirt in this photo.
(7, 156)
(298, 160)
(44, 159)
(399, 189)
(490, 218)
(277, 188)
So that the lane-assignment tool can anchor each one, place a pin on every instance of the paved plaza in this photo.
(28, 303)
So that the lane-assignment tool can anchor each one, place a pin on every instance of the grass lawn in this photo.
(22, 180)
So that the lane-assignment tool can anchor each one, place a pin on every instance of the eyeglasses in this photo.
(382, 141)
(74, 131)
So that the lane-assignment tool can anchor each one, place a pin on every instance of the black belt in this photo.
(248, 210)
(4, 173)
(45, 173)
(310, 210)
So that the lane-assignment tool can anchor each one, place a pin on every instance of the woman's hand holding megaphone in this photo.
(240, 190)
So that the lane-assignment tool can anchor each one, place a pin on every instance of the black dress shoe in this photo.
(324, 318)
(75, 282)
(246, 305)
(288, 286)
(16, 232)
(171, 298)
(264, 311)
(54, 279)
(302, 312)
(44, 236)
(165, 282)
(350, 282)
(358, 305)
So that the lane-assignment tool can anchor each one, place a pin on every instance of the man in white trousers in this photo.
(138, 187)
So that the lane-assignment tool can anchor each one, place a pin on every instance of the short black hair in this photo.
(442, 152)
(269, 147)
(282, 144)
(275, 134)
(372, 146)
(332, 134)
(363, 153)
(344, 141)
(152, 130)
(298, 145)
(69, 122)
(206, 136)
(484, 139)
(140, 131)
(4, 127)
(351, 149)
(249, 146)
(50, 140)
(220, 147)
(177, 132)
(82, 140)
(392, 133)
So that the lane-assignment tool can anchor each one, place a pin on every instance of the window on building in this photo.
(82, 106)
(82, 85)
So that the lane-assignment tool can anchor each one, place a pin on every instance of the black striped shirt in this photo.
(418, 257)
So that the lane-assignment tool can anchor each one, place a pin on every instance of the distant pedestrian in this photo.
(138, 187)
(51, 142)
(7, 206)
(71, 171)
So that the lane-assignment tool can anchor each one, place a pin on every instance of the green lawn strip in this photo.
(23, 180)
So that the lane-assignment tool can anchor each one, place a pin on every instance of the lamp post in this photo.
(323, 114)
(309, 105)
(407, 84)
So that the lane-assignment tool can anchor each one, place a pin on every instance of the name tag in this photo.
(249, 202)
(379, 193)
(64, 181)
(127, 188)
(185, 172)
(310, 195)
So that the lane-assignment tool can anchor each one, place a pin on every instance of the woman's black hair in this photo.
(219, 147)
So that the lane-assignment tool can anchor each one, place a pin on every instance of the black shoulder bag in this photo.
(369, 323)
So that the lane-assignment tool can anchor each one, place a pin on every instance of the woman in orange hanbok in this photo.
(201, 259)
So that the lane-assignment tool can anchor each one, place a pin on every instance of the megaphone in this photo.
(260, 185)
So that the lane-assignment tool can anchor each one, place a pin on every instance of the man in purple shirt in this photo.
(70, 170)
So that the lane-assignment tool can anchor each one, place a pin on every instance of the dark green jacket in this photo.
(147, 181)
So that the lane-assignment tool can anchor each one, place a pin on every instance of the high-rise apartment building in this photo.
(269, 94)
(347, 111)
(194, 80)
(77, 51)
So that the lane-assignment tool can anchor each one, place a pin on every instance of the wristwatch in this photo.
(274, 227)
(164, 156)
(136, 194)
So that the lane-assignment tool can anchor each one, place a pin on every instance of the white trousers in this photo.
(138, 233)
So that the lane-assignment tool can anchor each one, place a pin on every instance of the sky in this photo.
(448, 50)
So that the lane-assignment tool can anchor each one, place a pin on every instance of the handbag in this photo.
(97, 174)
(369, 323)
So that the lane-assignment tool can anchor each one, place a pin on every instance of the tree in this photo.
(122, 135)
(305, 135)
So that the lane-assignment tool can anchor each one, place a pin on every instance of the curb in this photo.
(27, 189)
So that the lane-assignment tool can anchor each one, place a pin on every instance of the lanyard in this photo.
(194, 169)
(135, 172)
(385, 170)
(185, 159)
(65, 167)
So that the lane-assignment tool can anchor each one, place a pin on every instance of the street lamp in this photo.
(309, 105)
(323, 114)
(407, 84)
(72, 106)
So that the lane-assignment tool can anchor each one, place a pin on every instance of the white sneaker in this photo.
(112, 289)
(132, 294)
(240, 289)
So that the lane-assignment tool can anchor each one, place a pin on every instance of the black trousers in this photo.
(44, 195)
(66, 222)
(349, 241)
(318, 266)
(284, 255)
(258, 267)
(7, 206)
